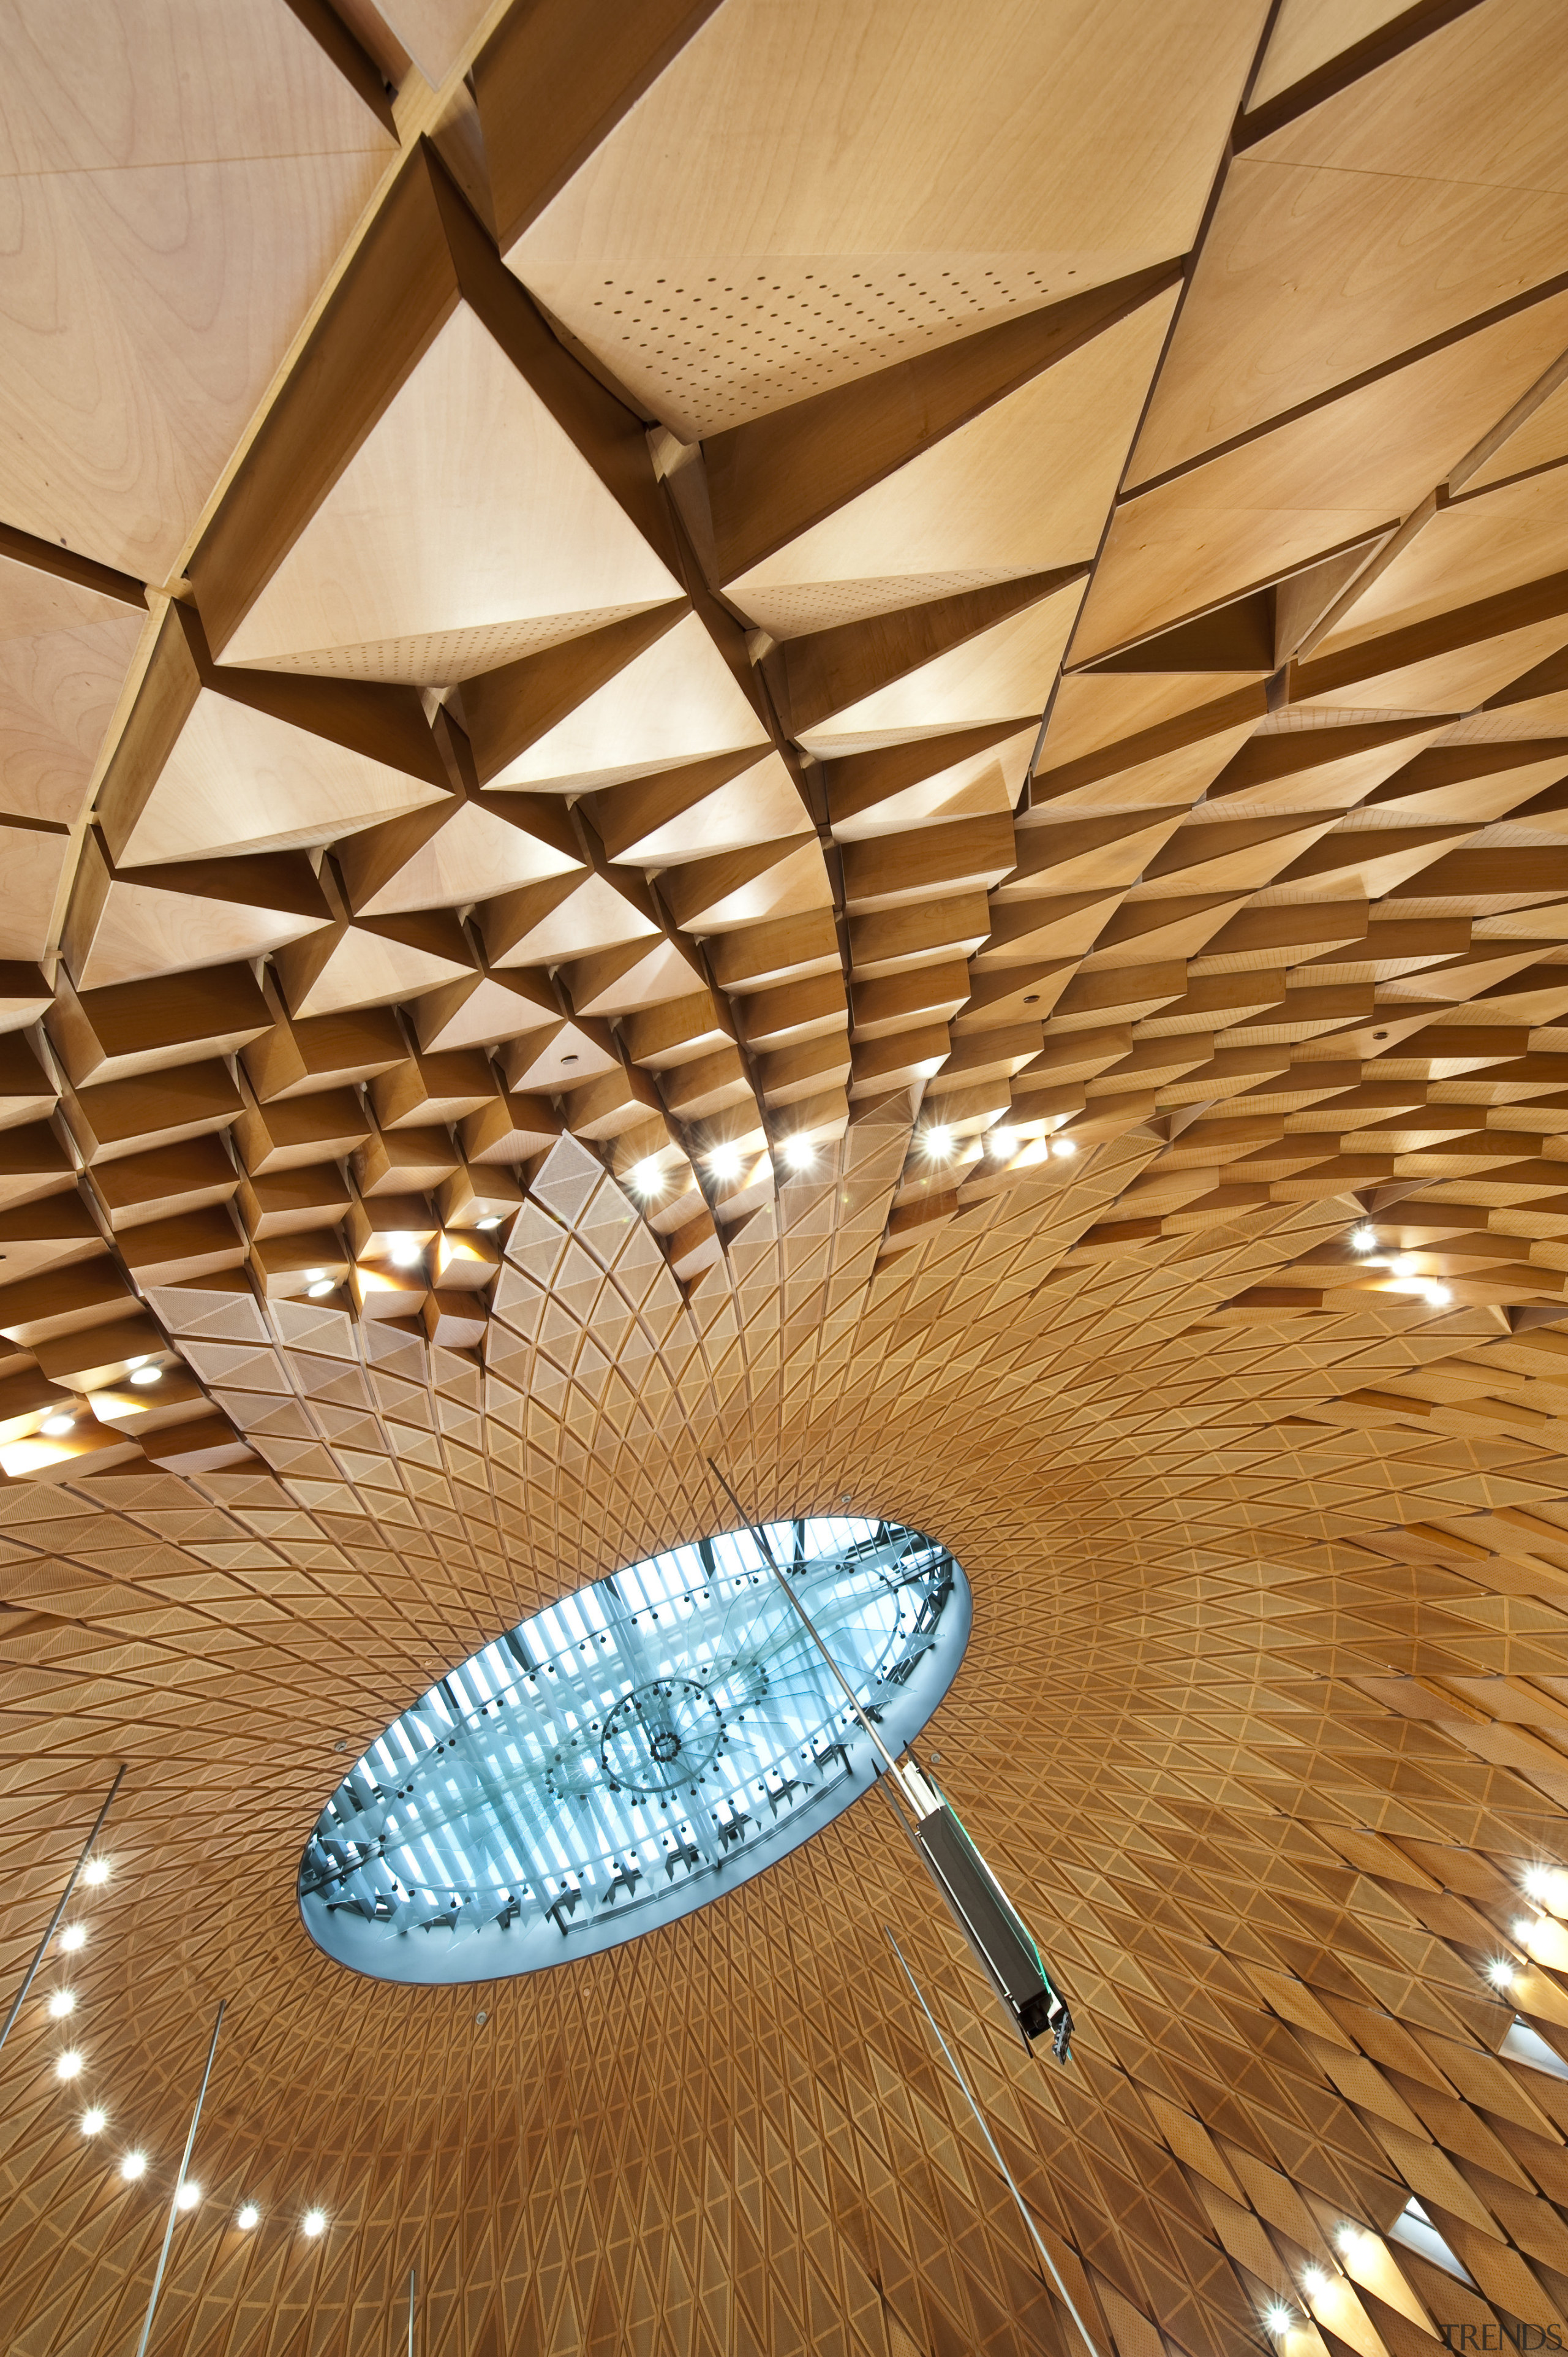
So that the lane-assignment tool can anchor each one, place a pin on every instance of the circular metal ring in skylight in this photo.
(643, 1746)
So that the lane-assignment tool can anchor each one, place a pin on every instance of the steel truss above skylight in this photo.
(631, 1752)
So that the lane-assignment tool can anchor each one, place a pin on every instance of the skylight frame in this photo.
(566, 1833)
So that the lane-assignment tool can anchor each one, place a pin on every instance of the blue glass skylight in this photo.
(631, 1752)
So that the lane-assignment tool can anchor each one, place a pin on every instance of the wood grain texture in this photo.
(1094, 1088)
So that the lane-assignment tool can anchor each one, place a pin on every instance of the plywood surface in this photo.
(1033, 1000)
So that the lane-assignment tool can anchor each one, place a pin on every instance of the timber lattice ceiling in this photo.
(817, 733)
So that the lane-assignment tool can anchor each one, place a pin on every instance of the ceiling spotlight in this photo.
(313, 2222)
(189, 2194)
(319, 1291)
(724, 1161)
(143, 1376)
(1363, 1239)
(647, 1177)
(134, 2164)
(1403, 1265)
(95, 1871)
(1439, 1295)
(1003, 1144)
(74, 1936)
(402, 1251)
(1501, 1974)
(1524, 1931)
(1278, 2318)
(1064, 1147)
(938, 1142)
(799, 1153)
(93, 2122)
(491, 1219)
(1348, 2237)
(68, 2065)
(1313, 2280)
(62, 2002)
(57, 1426)
(248, 2217)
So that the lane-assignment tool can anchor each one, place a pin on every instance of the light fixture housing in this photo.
(629, 1754)
(74, 1936)
(1001, 1940)
(247, 2216)
(67, 2065)
(134, 2164)
(313, 2222)
(95, 1871)
(189, 2194)
(144, 1376)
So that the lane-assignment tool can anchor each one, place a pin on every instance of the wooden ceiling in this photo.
(868, 708)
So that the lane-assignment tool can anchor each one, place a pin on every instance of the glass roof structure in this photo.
(631, 1752)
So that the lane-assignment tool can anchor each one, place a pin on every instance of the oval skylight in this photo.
(631, 1752)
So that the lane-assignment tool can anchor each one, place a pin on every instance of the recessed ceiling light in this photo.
(248, 2216)
(402, 1251)
(68, 2065)
(724, 1161)
(1064, 1149)
(319, 1292)
(1363, 1239)
(57, 1426)
(142, 1376)
(96, 1870)
(134, 2164)
(93, 2121)
(647, 1177)
(1003, 1144)
(938, 1141)
(313, 2222)
(799, 1153)
(74, 1936)
(189, 2194)
(62, 2002)
(491, 1219)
